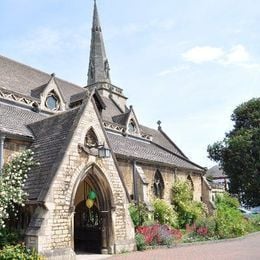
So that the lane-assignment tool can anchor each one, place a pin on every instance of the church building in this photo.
(90, 145)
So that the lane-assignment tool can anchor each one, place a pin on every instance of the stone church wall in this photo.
(13, 147)
(169, 176)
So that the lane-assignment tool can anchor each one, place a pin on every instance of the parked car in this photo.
(246, 213)
(255, 210)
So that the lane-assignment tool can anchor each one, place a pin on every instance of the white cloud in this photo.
(203, 54)
(238, 55)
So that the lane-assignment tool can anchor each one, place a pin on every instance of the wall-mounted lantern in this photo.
(103, 152)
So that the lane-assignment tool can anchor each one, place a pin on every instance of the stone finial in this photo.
(159, 124)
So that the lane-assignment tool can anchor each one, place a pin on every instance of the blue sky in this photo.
(188, 63)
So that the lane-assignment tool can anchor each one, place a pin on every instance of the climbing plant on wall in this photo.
(12, 180)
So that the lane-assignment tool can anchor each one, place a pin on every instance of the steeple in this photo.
(98, 70)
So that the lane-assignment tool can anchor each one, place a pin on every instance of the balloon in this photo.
(92, 195)
(89, 203)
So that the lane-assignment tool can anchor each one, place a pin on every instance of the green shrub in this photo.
(140, 242)
(18, 252)
(139, 214)
(229, 220)
(207, 222)
(227, 200)
(188, 210)
(164, 213)
(8, 237)
(255, 222)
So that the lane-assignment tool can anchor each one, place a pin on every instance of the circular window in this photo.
(131, 127)
(52, 102)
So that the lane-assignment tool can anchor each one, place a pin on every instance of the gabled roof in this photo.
(52, 136)
(14, 120)
(36, 92)
(121, 119)
(160, 138)
(148, 151)
(113, 114)
(27, 81)
(216, 172)
(110, 111)
(22, 79)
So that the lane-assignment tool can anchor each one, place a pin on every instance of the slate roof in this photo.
(216, 172)
(114, 115)
(23, 79)
(36, 92)
(14, 120)
(51, 138)
(146, 150)
(122, 118)
(28, 81)
(77, 97)
(110, 111)
(160, 138)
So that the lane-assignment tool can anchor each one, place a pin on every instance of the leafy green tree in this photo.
(239, 153)
(12, 180)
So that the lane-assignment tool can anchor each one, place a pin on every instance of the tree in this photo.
(12, 180)
(239, 153)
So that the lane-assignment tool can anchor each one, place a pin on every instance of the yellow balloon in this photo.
(89, 203)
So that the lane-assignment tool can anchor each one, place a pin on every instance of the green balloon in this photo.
(92, 195)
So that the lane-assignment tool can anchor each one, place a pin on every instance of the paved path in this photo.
(242, 249)
(92, 257)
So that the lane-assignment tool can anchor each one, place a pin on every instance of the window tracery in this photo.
(189, 179)
(52, 101)
(131, 127)
(91, 139)
(158, 185)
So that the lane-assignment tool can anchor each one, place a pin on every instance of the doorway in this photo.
(93, 232)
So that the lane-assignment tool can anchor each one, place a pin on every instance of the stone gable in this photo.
(57, 225)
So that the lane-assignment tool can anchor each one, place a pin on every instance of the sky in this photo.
(186, 63)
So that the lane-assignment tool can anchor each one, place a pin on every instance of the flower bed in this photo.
(157, 234)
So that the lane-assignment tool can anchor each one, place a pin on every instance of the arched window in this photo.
(91, 139)
(52, 101)
(158, 185)
(189, 179)
(131, 127)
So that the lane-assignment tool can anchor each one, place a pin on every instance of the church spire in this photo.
(98, 70)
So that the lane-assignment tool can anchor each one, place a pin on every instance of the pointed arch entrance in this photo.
(93, 232)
